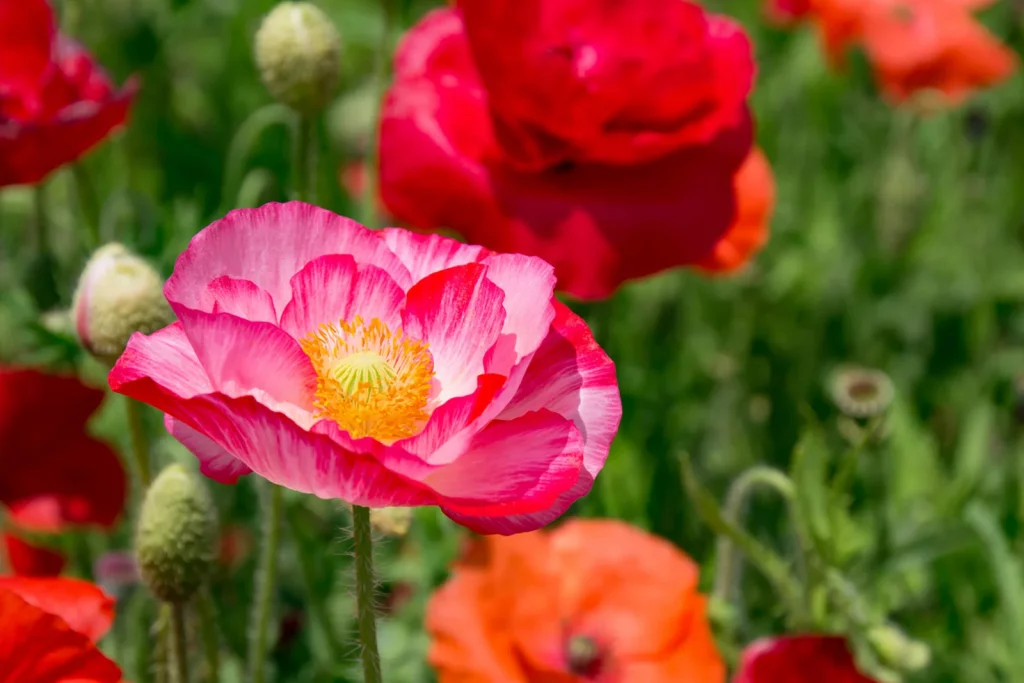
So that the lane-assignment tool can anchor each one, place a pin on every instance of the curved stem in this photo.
(242, 144)
(179, 644)
(208, 631)
(729, 560)
(380, 83)
(140, 450)
(364, 593)
(266, 576)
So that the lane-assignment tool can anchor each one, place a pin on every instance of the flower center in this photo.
(583, 656)
(370, 381)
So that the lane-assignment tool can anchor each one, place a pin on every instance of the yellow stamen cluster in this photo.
(371, 381)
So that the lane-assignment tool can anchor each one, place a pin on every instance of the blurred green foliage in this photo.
(897, 243)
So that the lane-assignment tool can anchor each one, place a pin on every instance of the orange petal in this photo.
(85, 608)
(755, 197)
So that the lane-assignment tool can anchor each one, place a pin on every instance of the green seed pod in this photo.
(298, 53)
(118, 295)
(176, 538)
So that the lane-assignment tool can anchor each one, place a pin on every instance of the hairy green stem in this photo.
(305, 159)
(140, 450)
(208, 632)
(266, 578)
(364, 594)
(379, 84)
(179, 644)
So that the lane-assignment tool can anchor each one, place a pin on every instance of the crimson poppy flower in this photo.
(52, 474)
(56, 103)
(49, 629)
(799, 659)
(603, 137)
(592, 601)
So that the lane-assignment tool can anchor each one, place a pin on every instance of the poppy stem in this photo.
(364, 593)
(42, 275)
(179, 644)
(140, 450)
(208, 630)
(305, 159)
(88, 207)
(266, 579)
(380, 83)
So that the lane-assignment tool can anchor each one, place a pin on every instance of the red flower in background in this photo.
(55, 102)
(604, 137)
(52, 474)
(593, 601)
(48, 631)
(912, 45)
(799, 659)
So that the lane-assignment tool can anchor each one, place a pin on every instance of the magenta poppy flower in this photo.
(53, 475)
(382, 367)
(56, 103)
(603, 137)
(799, 659)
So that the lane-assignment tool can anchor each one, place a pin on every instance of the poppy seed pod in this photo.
(118, 294)
(298, 51)
(176, 539)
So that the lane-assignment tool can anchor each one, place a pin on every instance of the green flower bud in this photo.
(118, 294)
(176, 538)
(298, 53)
(898, 651)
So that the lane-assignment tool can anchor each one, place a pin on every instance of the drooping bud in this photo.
(118, 294)
(861, 393)
(897, 650)
(176, 538)
(298, 53)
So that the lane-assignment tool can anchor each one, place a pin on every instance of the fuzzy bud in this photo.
(176, 539)
(118, 294)
(898, 651)
(298, 53)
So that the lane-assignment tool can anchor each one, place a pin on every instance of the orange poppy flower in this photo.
(755, 201)
(593, 601)
(913, 45)
(916, 45)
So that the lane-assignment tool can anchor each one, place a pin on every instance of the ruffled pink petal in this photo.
(253, 358)
(512, 467)
(529, 287)
(571, 375)
(214, 462)
(333, 288)
(268, 245)
(242, 298)
(459, 313)
(166, 354)
(426, 254)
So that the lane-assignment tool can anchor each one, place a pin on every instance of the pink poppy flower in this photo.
(382, 367)
(799, 659)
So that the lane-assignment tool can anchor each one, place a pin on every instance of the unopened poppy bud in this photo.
(391, 521)
(861, 393)
(118, 294)
(895, 649)
(176, 539)
(298, 53)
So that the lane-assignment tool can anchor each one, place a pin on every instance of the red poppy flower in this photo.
(592, 601)
(603, 137)
(48, 631)
(52, 474)
(799, 659)
(55, 102)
